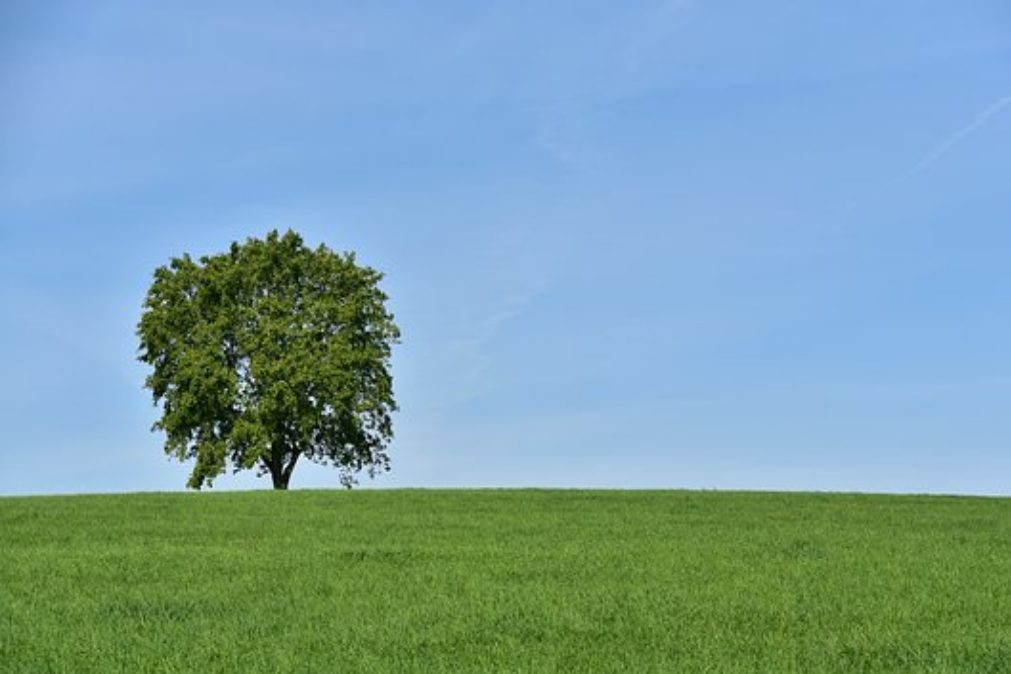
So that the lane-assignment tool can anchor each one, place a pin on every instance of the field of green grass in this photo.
(505, 581)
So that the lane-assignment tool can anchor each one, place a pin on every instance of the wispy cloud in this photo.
(564, 123)
(953, 139)
(564, 134)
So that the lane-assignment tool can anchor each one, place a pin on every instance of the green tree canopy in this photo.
(268, 353)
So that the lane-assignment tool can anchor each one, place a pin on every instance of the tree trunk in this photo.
(280, 473)
(280, 479)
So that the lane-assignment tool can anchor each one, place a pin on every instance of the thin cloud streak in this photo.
(957, 137)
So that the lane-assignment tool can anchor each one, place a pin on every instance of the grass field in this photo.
(505, 581)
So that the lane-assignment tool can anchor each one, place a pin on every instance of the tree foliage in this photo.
(268, 353)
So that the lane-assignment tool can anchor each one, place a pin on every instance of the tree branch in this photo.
(290, 467)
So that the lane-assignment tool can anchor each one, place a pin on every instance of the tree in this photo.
(269, 353)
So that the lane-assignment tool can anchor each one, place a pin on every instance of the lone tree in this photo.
(268, 353)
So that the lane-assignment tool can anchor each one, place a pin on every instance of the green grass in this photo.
(505, 581)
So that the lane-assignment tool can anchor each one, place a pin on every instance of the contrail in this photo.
(957, 137)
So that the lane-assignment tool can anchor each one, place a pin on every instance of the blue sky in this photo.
(640, 244)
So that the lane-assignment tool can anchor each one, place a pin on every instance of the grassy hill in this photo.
(505, 581)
